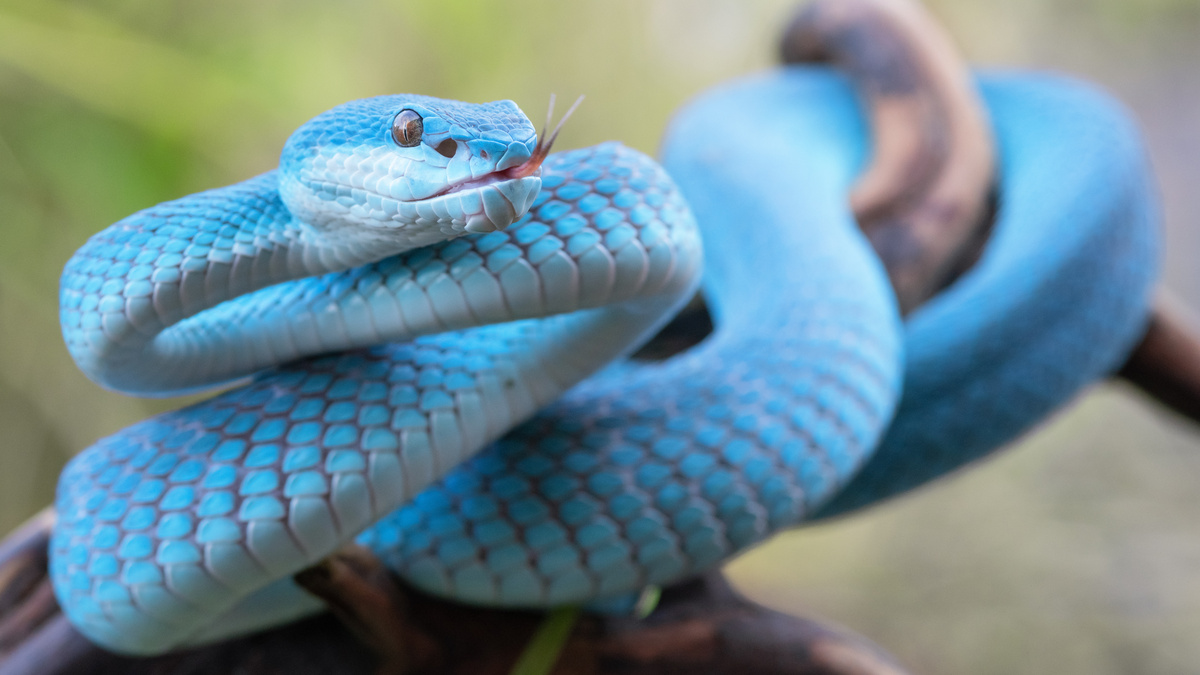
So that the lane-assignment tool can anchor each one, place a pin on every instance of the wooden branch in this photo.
(1165, 365)
(925, 199)
(26, 601)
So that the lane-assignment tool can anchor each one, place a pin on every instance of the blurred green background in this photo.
(1076, 552)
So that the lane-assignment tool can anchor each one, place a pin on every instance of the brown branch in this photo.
(360, 592)
(26, 600)
(1166, 362)
(924, 200)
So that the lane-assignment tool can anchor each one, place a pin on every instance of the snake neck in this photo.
(139, 281)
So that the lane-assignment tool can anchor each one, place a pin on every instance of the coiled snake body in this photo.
(187, 527)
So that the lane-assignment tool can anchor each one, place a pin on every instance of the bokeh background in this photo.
(1076, 551)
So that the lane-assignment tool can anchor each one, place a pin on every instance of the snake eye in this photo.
(407, 128)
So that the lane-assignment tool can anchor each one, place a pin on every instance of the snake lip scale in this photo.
(476, 183)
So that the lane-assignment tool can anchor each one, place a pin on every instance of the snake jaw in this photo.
(504, 202)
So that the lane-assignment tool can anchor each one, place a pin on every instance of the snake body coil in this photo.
(1058, 300)
(166, 526)
(186, 527)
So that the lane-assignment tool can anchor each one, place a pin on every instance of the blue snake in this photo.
(440, 298)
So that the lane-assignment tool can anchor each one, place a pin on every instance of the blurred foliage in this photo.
(1073, 554)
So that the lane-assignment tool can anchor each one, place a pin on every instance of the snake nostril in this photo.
(447, 148)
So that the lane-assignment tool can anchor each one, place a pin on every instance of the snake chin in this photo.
(489, 203)
(504, 200)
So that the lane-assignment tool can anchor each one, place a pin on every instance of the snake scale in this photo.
(447, 299)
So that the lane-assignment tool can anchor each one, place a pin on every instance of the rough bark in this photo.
(924, 199)
(1165, 365)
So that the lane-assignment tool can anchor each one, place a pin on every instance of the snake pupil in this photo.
(407, 128)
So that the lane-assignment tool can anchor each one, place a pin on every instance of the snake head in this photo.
(411, 169)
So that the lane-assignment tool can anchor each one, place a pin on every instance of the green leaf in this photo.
(547, 643)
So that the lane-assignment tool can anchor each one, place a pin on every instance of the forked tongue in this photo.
(542, 149)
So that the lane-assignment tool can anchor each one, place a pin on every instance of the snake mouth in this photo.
(483, 181)
(529, 167)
